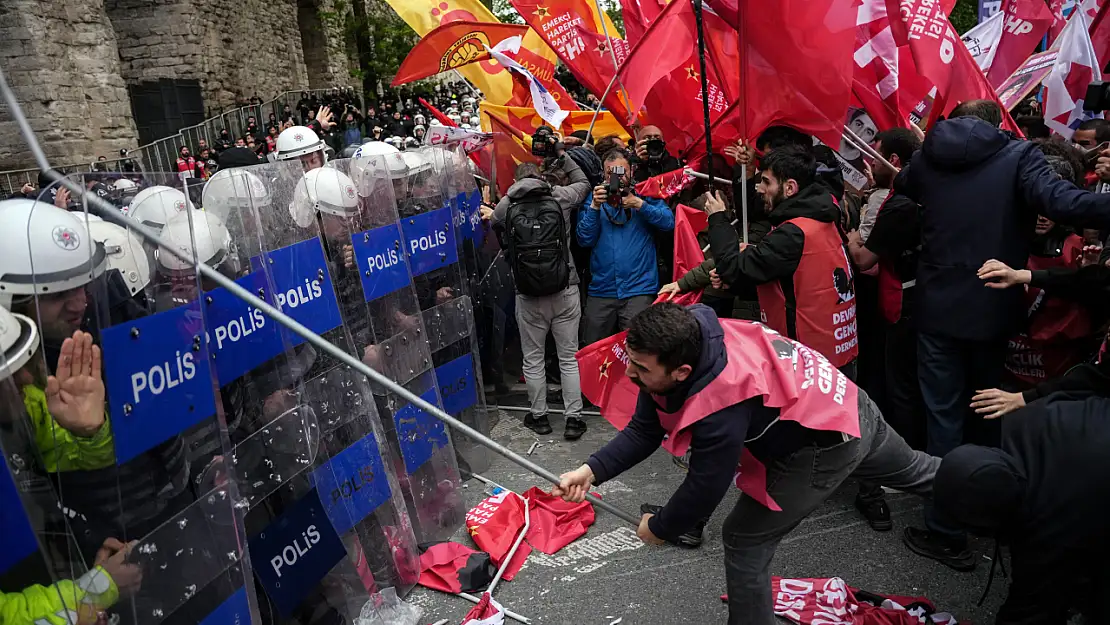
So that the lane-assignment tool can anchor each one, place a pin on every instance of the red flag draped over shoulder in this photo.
(452, 46)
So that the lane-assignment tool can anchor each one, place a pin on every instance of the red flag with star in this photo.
(585, 41)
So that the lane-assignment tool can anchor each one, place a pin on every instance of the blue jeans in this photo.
(950, 372)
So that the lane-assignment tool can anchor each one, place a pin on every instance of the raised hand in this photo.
(75, 394)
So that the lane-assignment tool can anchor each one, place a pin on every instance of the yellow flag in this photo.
(495, 82)
(520, 122)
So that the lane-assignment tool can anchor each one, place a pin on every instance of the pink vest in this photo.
(797, 380)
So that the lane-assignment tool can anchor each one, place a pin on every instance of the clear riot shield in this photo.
(121, 454)
(41, 570)
(350, 478)
(435, 227)
(351, 206)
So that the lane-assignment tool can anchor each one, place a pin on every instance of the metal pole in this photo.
(584, 413)
(744, 202)
(704, 94)
(599, 104)
(866, 148)
(613, 55)
(109, 213)
(698, 174)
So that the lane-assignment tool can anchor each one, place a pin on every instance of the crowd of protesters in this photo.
(966, 281)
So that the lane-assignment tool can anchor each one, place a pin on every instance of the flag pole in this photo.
(613, 55)
(744, 203)
(742, 58)
(102, 208)
(600, 103)
(704, 94)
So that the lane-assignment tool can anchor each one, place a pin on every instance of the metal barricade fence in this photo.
(161, 155)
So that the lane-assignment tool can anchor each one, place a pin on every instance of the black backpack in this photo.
(536, 241)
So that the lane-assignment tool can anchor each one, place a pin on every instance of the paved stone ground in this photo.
(609, 574)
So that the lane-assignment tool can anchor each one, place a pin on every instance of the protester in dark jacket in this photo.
(980, 191)
(1044, 493)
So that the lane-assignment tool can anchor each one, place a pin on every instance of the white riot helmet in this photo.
(46, 250)
(232, 190)
(298, 141)
(125, 190)
(324, 190)
(125, 252)
(419, 119)
(212, 243)
(371, 158)
(154, 206)
(19, 338)
(416, 163)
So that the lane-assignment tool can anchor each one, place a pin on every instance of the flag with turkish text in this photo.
(665, 185)
(1026, 22)
(494, 525)
(451, 46)
(885, 81)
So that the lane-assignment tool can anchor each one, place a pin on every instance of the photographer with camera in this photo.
(619, 225)
(533, 222)
(652, 158)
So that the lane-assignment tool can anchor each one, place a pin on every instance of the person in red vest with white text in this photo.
(801, 272)
(755, 410)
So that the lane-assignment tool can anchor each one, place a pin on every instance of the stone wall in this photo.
(70, 61)
(235, 48)
(60, 59)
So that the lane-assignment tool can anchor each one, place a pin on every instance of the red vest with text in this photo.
(824, 295)
(800, 382)
(186, 164)
(1056, 339)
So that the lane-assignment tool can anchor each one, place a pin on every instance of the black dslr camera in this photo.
(616, 188)
(656, 149)
(1097, 98)
(545, 143)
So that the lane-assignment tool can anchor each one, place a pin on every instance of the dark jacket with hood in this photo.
(778, 253)
(980, 191)
(1045, 493)
(716, 441)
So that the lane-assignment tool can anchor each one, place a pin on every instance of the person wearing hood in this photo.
(980, 192)
(1044, 494)
(547, 295)
(737, 395)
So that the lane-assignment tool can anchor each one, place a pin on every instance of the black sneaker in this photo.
(953, 554)
(691, 539)
(539, 425)
(574, 430)
(875, 510)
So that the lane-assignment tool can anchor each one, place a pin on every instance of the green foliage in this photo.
(965, 15)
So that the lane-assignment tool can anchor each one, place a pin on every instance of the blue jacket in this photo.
(623, 259)
(980, 192)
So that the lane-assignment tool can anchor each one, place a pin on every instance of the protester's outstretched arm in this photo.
(1060, 200)
(632, 445)
(717, 443)
(698, 277)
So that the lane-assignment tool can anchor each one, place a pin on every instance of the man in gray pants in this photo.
(559, 312)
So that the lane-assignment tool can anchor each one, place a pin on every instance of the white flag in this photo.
(982, 41)
(1076, 66)
(542, 100)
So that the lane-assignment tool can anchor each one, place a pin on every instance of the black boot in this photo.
(691, 539)
(873, 507)
(539, 425)
(949, 552)
(575, 428)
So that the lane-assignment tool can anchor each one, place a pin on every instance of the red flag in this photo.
(494, 525)
(941, 57)
(665, 185)
(556, 523)
(601, 367)
(454, 568)
(664, 48)
(451, 46)
(577, 33)
(486, 612)
(1026, 23)
(438, 114)
(688, 222)
(1100, 34)
(508, 151)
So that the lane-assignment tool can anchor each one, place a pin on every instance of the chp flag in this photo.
(1075, 68)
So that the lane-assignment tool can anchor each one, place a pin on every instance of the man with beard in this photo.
(801, 273)
(735, 393)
